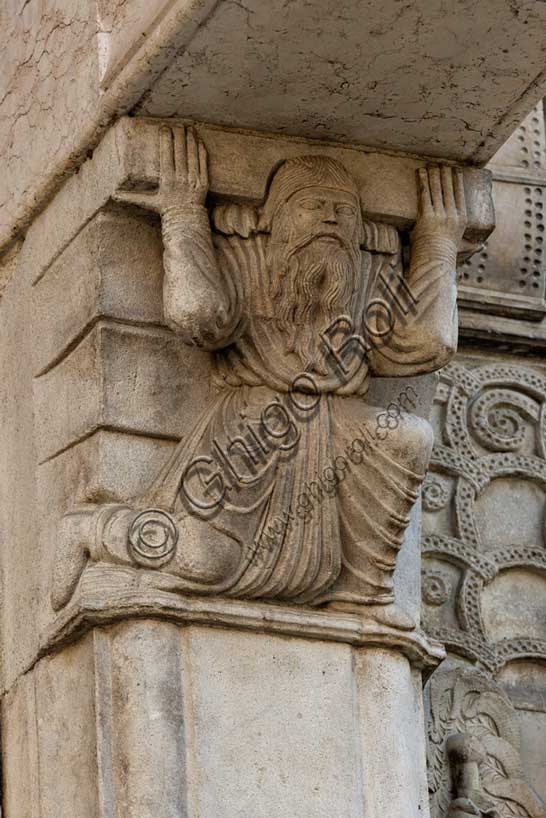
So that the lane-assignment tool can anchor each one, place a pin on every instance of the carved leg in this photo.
(387, 466)
(80, 535)
(205, 555)
(187, 548)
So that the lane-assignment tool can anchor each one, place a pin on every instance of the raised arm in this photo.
(425, 338)
(196, 297)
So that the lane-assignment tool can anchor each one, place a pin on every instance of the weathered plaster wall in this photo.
(49, 89)
(69, 67)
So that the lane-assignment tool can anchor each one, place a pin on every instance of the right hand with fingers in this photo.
(183, 174)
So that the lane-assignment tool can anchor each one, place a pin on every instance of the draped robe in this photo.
(343, 545)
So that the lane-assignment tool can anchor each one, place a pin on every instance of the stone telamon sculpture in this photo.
(291, 487)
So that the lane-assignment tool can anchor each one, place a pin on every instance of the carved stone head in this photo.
(314, 218)
(318, 196)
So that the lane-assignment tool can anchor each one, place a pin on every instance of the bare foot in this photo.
(390, 615)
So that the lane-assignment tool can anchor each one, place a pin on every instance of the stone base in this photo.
(107, 594)
(183, 706)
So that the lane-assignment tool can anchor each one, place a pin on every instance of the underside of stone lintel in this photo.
(449, 80)
(423, 78)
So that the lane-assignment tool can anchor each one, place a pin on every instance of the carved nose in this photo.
(329, 215)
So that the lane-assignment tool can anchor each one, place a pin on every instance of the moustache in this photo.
(299, 243)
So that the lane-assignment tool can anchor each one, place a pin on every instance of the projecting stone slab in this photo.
(241, 163)
(239, 167)
(450, 80)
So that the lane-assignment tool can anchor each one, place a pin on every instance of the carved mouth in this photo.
(328, 238)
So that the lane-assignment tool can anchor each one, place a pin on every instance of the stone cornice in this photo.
(110, 594)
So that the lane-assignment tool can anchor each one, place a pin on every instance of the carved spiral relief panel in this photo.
(493, 428)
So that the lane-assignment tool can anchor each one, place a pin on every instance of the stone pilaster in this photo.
(154, 702)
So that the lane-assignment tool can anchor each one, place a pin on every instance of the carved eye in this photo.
(345, 210)
(310, 204)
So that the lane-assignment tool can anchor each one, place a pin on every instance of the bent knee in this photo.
(411, 442)
(205, 554)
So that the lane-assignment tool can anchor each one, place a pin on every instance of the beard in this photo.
(313, 283)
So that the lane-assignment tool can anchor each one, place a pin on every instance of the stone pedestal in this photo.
(208, 707)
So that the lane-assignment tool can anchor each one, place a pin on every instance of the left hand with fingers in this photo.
(442, 206)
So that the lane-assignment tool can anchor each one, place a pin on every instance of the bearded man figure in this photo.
(291, 486)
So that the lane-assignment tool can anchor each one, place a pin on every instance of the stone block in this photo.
(120, 377)
(157, 719)
(389, 701)
(49, 719)
(507, 275)
(275, 732)
(112, 268)
(20, 784)
(143, 692)
(66, 707)
(19, 522)
(105, 467)
(240, 164)
(80, 199)
(426, 77)
(533, 730)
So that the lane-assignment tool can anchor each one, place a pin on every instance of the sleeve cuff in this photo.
(185, 217)
(426, 249)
